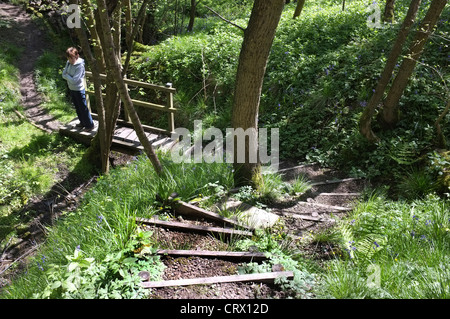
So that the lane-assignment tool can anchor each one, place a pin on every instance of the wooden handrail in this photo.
(169, 107)
(138, 83)
(159, 107)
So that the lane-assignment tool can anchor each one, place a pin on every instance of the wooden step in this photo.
(185, 227)
(227, 255)
(334, 181)
(260, 277)
(329, 207)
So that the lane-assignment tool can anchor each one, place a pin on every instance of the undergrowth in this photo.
(391, 249)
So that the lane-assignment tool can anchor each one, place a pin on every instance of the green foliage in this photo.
(439, 166)
(417, 184)
(115, 277)
(104, 226)
(276, 247)
(322, 70)
(53, 87)
(200, 66)
(405, 243)
(9, 78)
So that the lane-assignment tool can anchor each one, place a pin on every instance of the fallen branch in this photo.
(190, 210)
(22, 256)
(31, 122)
(228, 21)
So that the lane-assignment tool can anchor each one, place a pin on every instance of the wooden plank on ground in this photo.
(310, 218)
(339, 194)
(229, 255)
(334, 181)
(331, 207)
(190, 210)
(193, 228)
(295, 167)
(260, 277)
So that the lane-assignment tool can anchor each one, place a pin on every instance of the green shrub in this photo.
(390, 246)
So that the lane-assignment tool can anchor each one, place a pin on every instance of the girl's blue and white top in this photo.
(74, 75)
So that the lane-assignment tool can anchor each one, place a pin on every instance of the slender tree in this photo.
(390, 110)
(299, 8)
(94, 46)
(369, 111)
(389, 14)
(192, 13)
(99, 150)
(115, 69)
(255, 50)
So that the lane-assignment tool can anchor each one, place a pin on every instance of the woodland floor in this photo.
(290, 210)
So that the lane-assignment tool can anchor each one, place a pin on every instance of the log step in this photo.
(193, 228)
(260, 277)
(230, 255)
(330, 207)
(334, 181)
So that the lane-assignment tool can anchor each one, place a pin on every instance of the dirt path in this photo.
(24, 33)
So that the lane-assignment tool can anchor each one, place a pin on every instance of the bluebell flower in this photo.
(40, 266)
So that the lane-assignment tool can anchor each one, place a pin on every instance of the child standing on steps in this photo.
(73, 73)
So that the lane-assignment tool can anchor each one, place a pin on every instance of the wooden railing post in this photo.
(88, 103)
(126, 116)
(170, 107)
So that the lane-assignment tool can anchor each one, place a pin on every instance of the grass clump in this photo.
(103, 232)
(392, 249)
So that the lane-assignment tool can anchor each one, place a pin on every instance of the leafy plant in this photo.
(116, 276)
(406, 242)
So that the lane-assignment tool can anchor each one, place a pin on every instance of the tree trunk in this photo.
(133, 32)
(103, 145)
(192, 16)
(258, 39)
(111, 103)
(148, 34)
(114, 67)
(389, 15)
(366, 117)
(440, 138)
(390, 111)
(299, 8)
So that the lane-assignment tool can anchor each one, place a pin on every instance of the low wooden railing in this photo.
(168, 107)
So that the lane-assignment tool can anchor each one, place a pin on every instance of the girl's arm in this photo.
(78, 75)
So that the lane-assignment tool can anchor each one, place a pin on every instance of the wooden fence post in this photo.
(88, 103)
(170, 107)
